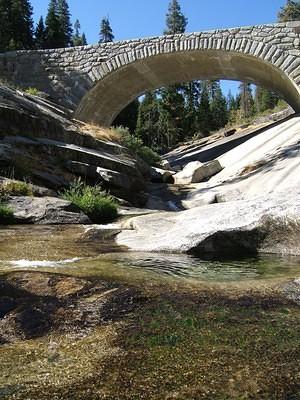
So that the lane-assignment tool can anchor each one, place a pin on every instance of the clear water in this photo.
(66, 249)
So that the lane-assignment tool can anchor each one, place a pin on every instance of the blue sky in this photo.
(140, 18)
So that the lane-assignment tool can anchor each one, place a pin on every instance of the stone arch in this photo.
(180, 58)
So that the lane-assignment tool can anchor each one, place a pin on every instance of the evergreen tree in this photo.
(191, 92)
(204, 111)
(40, 35)
(78, 39)
(6, 31)
(176, 22)
(83, 39)
(65, 22)
(106, 33)
(147, 121)
(265, 99)
(246, 100)
(16, 25)
(290, 12)
(54, 35)
(218, 108)
(173, 106)
(231, 102)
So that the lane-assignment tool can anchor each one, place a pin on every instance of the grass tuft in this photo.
(15, 188)
(93, 201)
(6, 214)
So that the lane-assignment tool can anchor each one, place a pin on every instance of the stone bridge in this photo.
(98, 81)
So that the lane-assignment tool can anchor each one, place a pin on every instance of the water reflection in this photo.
(65, 249)
(178, 266)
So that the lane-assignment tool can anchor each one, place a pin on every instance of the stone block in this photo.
(195, 172)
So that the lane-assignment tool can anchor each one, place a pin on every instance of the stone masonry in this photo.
(98, 81)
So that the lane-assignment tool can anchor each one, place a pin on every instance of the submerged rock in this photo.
(45, 210)
(225, 229)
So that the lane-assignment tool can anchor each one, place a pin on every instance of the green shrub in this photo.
(6, 214)
(32, 91)
(15, 188)
(93, 201)
(137, 148)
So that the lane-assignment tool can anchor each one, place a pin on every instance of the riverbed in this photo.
(82, 318)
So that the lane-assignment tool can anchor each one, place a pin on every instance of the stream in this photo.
(81, 318)
(67, 249)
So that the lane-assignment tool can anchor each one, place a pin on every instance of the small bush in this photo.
(32, 91)
(15, 188)
(137, 148)
(95, 203)
(6, 214)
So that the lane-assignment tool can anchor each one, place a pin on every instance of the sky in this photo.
(132, 19)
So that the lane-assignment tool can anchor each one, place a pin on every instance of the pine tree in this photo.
(16, 25)
(147, 121)
(176, 22)
(83, 39)
(78, 39)
(65, 22)
(218, 108)
(54, 35)
(173, 106)
(231, 102)
(6, 31)
(246, 100)
(290, 12)
(106, 33)
(204, 111)
(191, 92)
(40, 35)
(265, 99)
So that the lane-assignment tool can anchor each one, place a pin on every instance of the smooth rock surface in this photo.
(269, 163)
(264, 224)
(45, 210)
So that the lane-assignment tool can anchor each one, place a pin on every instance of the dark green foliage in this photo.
(106, 33)
(172, 112)
(231, 102)
(58, 25)
(6, 214)
(137, 147)
(289, 12)
(40, 35)
(65, 22)
(84, 39)
(54, 37)
(265, 99)
(78, 39)
(218, 108)
(246, 102)
(16, 25)
(191, 93)
(147, 122)
(129, 116)
(204, 112)
(176, 22)
(93, 201)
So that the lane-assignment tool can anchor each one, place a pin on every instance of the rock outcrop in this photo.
(230, 229)
(40, 142)
(45, 210)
